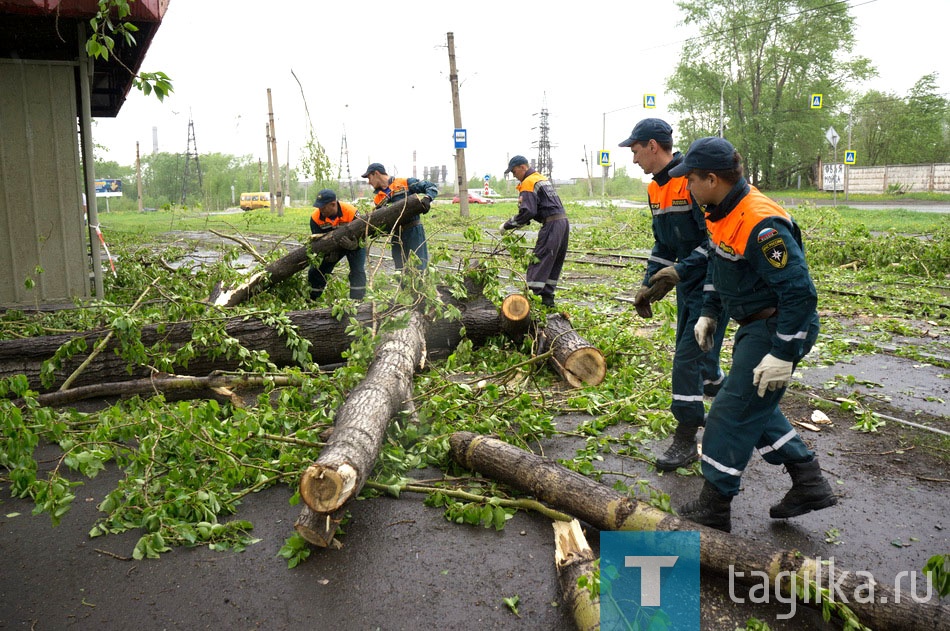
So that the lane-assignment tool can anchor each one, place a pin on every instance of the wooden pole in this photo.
(275, 162)
(457, 113)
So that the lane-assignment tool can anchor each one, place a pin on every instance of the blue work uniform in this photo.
(408, 238)
(680, 240)
(760, 277)
(317, 275)
(538, 200)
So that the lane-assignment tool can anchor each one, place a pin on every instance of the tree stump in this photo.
(515, 316)
(574, 358)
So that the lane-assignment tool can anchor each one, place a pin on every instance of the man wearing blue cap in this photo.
(760, 278)
(329, 214)
(538, 200)
(679, 256)
(409, 238)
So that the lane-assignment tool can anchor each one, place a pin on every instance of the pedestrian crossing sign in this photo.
(649, 101)
(605, 158)
(850, 157)
(816, 101)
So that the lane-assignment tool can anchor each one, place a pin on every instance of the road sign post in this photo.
(833, 138)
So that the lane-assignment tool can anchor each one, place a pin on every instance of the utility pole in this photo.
(545, 167)
(460, 173)
(275, 164)
(138, 175)
(190, 152)
(270, 170)
(287, 180)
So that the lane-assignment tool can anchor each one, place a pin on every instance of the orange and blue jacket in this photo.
(537, 200)
(679, 227)
(758, 262)
(401, 186)
(345, 214)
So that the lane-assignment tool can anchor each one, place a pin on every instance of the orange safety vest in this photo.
(670, 198)
(346, 214)
(397, 185)
(730, 235)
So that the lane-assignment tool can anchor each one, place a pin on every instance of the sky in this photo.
(377, 73)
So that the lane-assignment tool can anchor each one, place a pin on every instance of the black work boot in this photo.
(711, 508)
(547, 300)
(810, 491)
(683, 450)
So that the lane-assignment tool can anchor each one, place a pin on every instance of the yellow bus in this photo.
(252, 201)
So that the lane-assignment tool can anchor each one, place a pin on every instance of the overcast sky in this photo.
(379, 71)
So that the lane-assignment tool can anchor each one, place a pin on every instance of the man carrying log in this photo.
(408, 238)
(538, 200)
(760, 278)
(329, 214)
(678, 259)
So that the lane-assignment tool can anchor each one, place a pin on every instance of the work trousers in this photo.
(740, 420)
(550, 250)
(317, 275)
(407, 240)
(692, 367)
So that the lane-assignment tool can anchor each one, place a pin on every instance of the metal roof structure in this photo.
(48, 30)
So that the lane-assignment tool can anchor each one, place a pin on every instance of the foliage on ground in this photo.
(186, 466)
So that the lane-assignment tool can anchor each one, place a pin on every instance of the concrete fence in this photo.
(907, 178)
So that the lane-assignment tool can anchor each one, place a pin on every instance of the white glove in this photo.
(772, 373)
(704, 331)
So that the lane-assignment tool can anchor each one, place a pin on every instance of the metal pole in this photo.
(138, 175)
(89, 160)
(603, 143)
(460, 173)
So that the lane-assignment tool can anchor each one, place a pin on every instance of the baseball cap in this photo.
(324, 197)
(374, 167)
(515, 161)
(647, 129)
(708, 154)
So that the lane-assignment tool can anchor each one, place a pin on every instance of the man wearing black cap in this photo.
(538, 200)
(679, 256)
(329, 214)
(410, 238)
(760, 278)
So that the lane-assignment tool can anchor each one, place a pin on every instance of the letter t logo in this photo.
(649, 576)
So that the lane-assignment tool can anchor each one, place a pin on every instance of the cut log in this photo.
(720, 553)
(516, 316)
(361, 422)
(326, 334)
(380, 221)
(319, 528)
(574, 358)
(573, 559)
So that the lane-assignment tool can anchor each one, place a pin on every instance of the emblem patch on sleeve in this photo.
(776, 253)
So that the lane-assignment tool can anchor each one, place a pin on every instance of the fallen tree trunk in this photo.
(345, 463)
(380, 221)
(574, 358)
(326, 334)
(573, 559)
(721, 553)
(186, 386)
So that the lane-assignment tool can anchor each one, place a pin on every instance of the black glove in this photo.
(642, 303)
(348, 242)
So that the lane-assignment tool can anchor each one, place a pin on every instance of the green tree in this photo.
(764, 59)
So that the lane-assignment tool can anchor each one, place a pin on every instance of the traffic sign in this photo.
(649, 101)
(605, 158)
(461, 139)
(850, 157)
(832, 136)
(816, 101)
